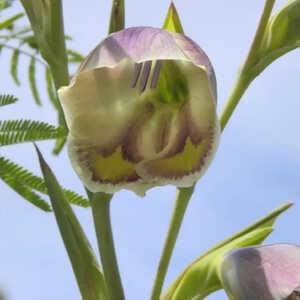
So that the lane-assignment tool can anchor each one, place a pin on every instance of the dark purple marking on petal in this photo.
(130, 149)
(145, 76)
(156, 73)
(154, 169)
(84, 156)
(195, 133)
(182, 134)
(163, 134)
(136, 74)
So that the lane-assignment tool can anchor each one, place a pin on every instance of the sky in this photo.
(256, 169)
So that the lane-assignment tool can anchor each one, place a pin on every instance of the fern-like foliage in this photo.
(32, 81)
(32, 182)
(25, 192)
(50, 89)
(20, 131)
(7, 99)
(14, 63)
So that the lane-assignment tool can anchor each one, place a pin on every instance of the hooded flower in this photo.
(141, 111)
(270, 272)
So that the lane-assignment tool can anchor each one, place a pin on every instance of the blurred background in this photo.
(256, 169)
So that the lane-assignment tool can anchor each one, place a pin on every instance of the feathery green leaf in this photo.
(14, 66)
(50, 88)
(34, 182)
(31, 76)
(6, 24)
(20, 131)
(7, 99)
(59, 145)
(74, 56)
(25, 192)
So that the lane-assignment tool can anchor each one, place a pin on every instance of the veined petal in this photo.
(142, 44)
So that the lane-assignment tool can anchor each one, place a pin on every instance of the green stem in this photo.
(100, 203)
(246, 76)
(236, 94)
(181, 202)
(253, 52)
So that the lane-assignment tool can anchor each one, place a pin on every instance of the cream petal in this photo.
(184, 168)
(192, 139)
(81, 163)
(100, 105)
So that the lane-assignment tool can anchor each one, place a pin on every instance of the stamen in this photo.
(155, 75)
(136, 74)
(145, 76)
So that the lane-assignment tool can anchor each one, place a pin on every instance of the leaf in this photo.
(14, 66)
(7, 99)
(281, 35)
(74, 57)
(31, 42)
(50, 89)
(117, 16)
(25, 192)
(32, 81)
(172, 21)
(34, 182)
(20, 131)
(59, 145)
(6, 24)
(201, 278)
(22, 175)
(86, 269)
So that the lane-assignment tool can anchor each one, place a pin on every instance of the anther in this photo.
(136, 74)
(155, 75)
(145, 76)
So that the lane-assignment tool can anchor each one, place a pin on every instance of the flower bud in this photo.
(270, 272)
(141, 111)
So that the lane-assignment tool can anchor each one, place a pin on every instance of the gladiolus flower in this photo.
(270, 272)
(141, 111)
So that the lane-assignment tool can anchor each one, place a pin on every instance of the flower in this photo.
(269, 272)
(141, 111)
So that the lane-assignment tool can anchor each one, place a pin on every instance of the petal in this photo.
(100, 106)
(184, 168)
(142, 44)
(187, 139)
(269, 272)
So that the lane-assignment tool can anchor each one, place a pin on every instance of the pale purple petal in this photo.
(144, 44)
(269, 272)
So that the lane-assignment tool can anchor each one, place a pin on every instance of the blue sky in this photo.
(257, 166)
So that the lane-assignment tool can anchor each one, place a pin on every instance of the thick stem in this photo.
(100, 203)
(246, 75)
(236, 94)
(181, 202)
(263, 22)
